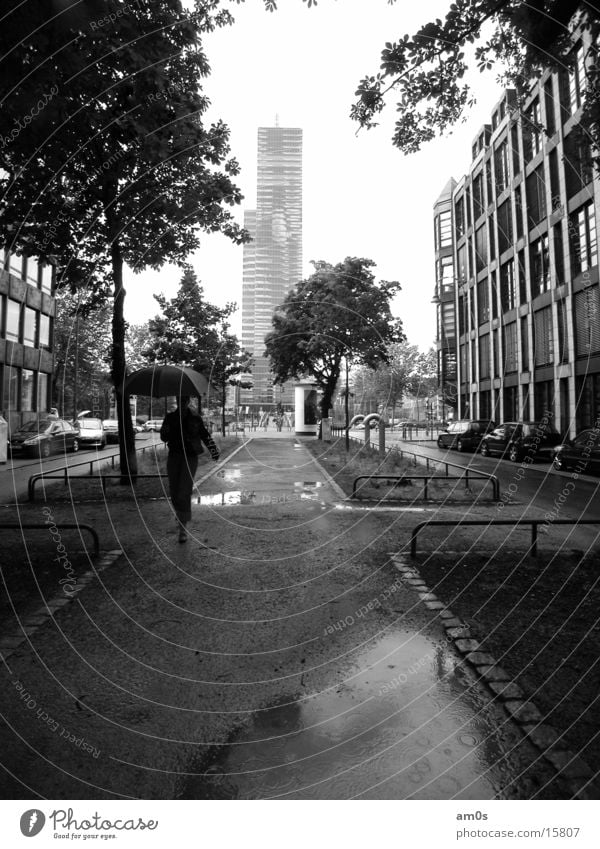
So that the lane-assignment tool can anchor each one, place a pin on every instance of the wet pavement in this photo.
(277, 654)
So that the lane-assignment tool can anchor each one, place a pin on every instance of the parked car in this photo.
(521, 439)
(43, 436)
(581, 453)
(153, 424)
(111, 430)
(91, 432)
(465, 434)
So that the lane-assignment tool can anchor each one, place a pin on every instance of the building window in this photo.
(10, 389)
(496, 354)
(587, 321)
(536, 197)
(554, 180)
(481, 248)
(549, 105)
(478, 198)
(32, 271)
(510, 398)
(46, 283)
(472, 316)
(484, 356)
(501, 166)
(492, 226)
(459, 217)
(42, 392)
(585, 243)
(510, 347)
(532, 130)
(448, 323)
(483, 302)
(468, 202)
(524, 344)
(578, 160)
(577, 81)
(15, 265)
(505, 229)
(539, 263)
(543, 337)
(489, 181)
(27, 390)
(519, 210)
(559, 262)
(445, 231)
(29, 326)
(563, 341)
(523, 290)
(461, 260)
(493, 280)
(514, 138)
(508, 289)
(13, 320)
(44, 340)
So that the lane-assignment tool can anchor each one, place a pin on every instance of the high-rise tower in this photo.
(273, 260)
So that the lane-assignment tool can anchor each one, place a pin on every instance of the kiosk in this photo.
(306, 408)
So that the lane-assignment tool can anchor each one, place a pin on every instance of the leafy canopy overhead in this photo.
(426, 71)
(339, 313)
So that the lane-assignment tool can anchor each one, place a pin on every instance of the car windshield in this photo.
(37, 425)
(90, 424)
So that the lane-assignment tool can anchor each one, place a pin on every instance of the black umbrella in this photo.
(160, 381)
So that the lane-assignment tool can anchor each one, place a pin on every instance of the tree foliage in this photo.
(408, 371)
(192, 332)
(426, 71)
(107, 160)
(338, 313)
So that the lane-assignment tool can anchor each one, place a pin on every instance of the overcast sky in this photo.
(361, 196)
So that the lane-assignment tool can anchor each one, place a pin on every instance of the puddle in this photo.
(224, 499)
(229, 474)
(406, 724)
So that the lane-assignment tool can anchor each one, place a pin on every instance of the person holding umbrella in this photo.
(184, 432)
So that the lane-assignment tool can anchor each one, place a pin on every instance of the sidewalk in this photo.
(280, 652)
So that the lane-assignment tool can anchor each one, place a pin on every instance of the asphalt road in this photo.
(15, 474)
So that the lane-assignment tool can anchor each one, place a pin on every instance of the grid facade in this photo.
(273, 260)
(27, 310)
(524, 244)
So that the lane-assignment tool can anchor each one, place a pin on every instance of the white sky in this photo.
(361, 196)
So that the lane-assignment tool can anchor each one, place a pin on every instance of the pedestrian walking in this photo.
(184, 432)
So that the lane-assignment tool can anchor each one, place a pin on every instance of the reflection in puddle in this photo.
(404, 724)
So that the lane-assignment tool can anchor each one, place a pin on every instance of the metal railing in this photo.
(64, 471)
(37, 526)
(534, 523)
(407, 479)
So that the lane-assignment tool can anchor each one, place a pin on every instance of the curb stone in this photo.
(570, 767)
(29, 625)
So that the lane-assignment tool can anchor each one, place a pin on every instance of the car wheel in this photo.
(440, 442)
(514, 454)
(75, 445)
(460, 445)
(45, 449)
(484, 450)
(559, 464)
(103, 445)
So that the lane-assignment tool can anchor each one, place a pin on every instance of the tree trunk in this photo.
(127, 455)
(223, 391)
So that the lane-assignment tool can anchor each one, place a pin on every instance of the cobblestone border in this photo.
(570, 767)
(29, 625)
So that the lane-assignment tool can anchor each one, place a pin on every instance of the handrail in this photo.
(102, 478)
(488, 522)
(16, 526)
(474, 476)
(65, 469)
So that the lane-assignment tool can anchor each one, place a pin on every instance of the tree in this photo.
(338, 313)
(231, 366)
(187, 330)
(193, 332)
(109, 161)
(426, 71)
(82, 342)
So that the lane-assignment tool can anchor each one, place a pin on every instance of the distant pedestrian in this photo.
(184, 432)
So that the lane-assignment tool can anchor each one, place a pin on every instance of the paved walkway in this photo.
(280, 652)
